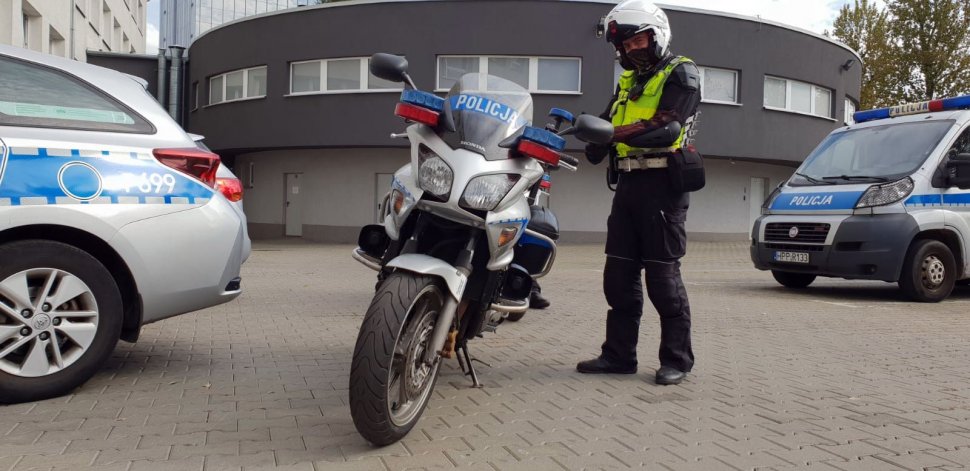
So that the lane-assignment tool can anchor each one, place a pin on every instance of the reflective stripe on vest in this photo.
(643, 108)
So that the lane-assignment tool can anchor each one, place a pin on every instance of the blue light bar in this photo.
(423, 99)
(546, 138)
(945, 104)
(869, 115)
(562, 114)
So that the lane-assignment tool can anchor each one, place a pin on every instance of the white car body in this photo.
(179, 242)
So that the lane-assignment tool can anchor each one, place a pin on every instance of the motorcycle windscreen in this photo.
(486, 110)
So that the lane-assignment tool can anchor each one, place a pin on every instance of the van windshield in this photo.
(875, 154)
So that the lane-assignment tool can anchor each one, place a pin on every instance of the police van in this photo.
(887, 198)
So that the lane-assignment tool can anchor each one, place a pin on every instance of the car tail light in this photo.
(191, 161)
(231, 188)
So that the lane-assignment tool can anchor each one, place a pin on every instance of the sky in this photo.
(812, 15)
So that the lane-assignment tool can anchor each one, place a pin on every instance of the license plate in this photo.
(791, 257)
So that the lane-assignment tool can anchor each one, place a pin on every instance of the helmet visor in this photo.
(617, 33)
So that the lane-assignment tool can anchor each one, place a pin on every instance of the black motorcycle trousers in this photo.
(646, 233)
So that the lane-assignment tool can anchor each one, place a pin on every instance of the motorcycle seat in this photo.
(544, 222)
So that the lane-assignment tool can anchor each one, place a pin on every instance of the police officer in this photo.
(654, 104)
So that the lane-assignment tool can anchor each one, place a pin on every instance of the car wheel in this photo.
(929, 271)
(792, 279)
(60, 319)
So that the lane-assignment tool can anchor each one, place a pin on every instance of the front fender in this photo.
(428, 265)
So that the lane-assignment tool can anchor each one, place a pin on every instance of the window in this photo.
(345, 75)
(32, 95)
(237, 85)
(850, 110)
(536, 74)
(797, 97)
(962, 145)
(719, 85)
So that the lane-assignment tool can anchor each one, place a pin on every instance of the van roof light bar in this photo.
(943, 104)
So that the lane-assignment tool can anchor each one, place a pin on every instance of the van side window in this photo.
(37, 96)
(962, 145)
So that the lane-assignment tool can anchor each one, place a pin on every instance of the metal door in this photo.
(757, 193)
(294, 205)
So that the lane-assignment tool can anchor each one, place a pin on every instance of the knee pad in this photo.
(621, 283)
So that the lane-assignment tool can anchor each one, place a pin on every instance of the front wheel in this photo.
(60, 318)
(390, 383)
(929, 271)
(793, 280)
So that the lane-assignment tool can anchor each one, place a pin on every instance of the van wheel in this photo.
(60, 319)
(792, 279)
(929, 271)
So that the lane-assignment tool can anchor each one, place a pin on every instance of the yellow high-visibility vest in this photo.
(625, 111)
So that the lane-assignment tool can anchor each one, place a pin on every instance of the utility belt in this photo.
(684, 166)
(643, 161)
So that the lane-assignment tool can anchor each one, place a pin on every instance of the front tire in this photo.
(60, 319)
(390, 384)
(793, 280)
(929, 271)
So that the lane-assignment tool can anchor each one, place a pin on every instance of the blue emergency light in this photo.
(944, 104)
(546, 138)
(423, 99)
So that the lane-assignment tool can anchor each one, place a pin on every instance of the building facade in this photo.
(181, 21)
(287, 100)
(70, 28)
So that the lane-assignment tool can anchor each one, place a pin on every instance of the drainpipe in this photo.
(162, 69)
(71, 40)
(175, 83)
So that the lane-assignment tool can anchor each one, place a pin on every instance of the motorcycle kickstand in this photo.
(471, 367)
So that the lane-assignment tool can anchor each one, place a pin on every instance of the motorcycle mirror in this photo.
(589, 128)
(389, 67)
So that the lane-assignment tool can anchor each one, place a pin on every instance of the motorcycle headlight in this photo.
(485, 192)
(434, 174)
(887, 193)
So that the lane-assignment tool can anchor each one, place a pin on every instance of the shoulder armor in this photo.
(687, 76)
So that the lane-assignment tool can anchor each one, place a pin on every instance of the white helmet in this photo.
(630, 17)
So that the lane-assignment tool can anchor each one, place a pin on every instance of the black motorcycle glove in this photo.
(595, 153)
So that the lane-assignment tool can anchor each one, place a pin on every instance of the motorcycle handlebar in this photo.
(569, 162)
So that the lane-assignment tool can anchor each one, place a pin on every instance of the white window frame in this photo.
(245, 86)
(364, 79)
(787, 108)
(737, 74)
(849, 117)
(533, 71)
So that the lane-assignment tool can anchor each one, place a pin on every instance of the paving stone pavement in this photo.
(841, 376)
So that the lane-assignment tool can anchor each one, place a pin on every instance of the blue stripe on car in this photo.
(71, 176)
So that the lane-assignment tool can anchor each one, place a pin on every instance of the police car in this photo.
(887, 198)
(111, 218)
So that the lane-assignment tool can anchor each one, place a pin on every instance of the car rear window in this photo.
(34, 95)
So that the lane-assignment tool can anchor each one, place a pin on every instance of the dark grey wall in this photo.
(422, 30)
(145, 67)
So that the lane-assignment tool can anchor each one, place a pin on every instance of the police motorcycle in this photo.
(456, 253)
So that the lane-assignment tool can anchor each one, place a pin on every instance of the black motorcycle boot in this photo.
(667, 375)
(600, 365)
(536, 299)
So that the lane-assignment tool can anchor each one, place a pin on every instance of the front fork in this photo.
(448, 311)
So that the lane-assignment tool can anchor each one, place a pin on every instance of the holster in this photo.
(612, 173)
